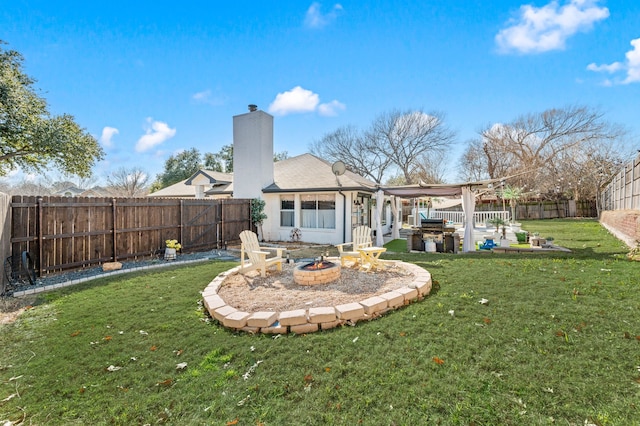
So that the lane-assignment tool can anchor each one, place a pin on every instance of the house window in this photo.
(318, 211)
(287, 210)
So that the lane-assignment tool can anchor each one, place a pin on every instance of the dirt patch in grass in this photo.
(11, 308)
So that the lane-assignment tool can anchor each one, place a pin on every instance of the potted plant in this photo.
(498, 222)
(171, 247)
(512, 194)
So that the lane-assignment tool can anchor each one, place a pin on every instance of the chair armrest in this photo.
(341, 246)
(278, 250)
(363, 245)
(261, 253)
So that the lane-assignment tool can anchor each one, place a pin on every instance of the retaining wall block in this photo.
(262, 319)
(408, 293)
(223, 311)
(296, 317)
(210, 290)
(237, 319)
(276, 328)
(213, 302)
(322, 314)
(350, 311)
(304, 328)
(330, 325)
(423, 287)
(373, 304)
(393, 298)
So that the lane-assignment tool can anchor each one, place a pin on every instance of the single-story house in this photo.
(321, 202)
(202, 184)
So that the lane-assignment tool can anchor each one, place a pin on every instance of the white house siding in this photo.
(272, 230)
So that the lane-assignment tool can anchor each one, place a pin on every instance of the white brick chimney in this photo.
(252, 153)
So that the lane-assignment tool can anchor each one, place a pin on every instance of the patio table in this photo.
(370, 258)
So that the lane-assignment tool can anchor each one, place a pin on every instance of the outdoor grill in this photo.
(436, 230)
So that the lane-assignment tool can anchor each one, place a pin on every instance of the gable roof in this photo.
(214, 178)
(308, 173)
(176, 190)
(184, 190)
(303, 173)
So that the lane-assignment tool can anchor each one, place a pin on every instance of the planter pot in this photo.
(504, 242)
(169, 253)
(515, 227)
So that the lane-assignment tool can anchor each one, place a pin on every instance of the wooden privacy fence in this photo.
(64, 233)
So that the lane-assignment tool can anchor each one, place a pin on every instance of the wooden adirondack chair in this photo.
(258, 255)
(361, 239)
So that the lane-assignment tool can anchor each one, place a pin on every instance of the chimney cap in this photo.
(253, 107)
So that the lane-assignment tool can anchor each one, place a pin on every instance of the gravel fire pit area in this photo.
(277, 304)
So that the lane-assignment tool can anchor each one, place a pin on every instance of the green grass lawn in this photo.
(558, 342)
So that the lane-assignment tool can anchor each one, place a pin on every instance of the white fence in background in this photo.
(458, 216)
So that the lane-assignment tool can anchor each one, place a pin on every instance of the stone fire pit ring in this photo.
(316, 273)
(301, 321)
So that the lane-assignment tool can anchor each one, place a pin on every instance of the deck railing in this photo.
(478, 217)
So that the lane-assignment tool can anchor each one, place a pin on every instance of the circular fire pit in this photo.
(315, 273)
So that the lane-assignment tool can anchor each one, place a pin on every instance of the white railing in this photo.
(478, 217)
(451, 216)
(482, 217)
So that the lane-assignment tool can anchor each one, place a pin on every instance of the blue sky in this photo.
(152, 78)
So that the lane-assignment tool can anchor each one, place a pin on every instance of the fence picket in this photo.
(65, 233)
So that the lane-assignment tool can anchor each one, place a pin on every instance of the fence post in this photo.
(181, 221)
(5, 234)
(113, 210)
(221, 232)
(40, 239)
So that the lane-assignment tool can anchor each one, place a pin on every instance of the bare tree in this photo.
(398, 139)
(473, 163)
(406, 137)
(431, 168)
(348, 145)
(128, 182)
(28, 187)
(549, 152)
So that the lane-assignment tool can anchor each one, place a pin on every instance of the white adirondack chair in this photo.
(361, 239)
(258, 255)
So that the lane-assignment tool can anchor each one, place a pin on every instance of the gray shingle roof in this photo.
(306, 172)
(303, 173)
(215, 178)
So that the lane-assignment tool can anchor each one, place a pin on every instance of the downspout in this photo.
(344, 215)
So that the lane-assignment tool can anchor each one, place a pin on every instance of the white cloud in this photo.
(631, 66)
(296, 100)
(201, 96)
(315, 19)
(107, 134)
(611, 68)
(207, 97)
(548, 27)
(156, 133)
(331, 109)
(299, 100)
(633, 62)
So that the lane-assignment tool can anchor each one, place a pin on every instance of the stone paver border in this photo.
(300, 321)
